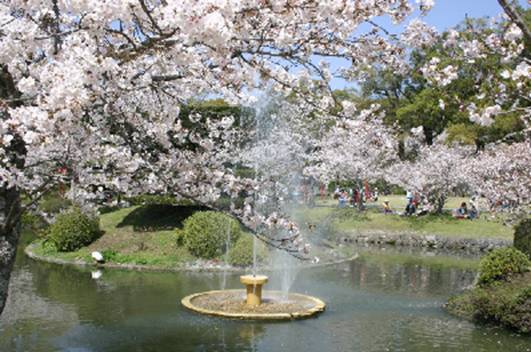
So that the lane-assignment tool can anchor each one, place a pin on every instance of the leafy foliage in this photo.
(242, 252)
(205, 233)
(507, 304)
(522, 237)
(501, 264)
(73, 230)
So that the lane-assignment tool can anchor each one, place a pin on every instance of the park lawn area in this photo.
(350, 220)
(397, 202)
(138, 235)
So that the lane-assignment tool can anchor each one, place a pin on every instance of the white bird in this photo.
(97, 256)
(96, 274)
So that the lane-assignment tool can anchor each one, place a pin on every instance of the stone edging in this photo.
(317, 308)
(30, 253)
(470, 245)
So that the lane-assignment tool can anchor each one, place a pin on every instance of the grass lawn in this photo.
(327, 215)
(137, 235)
(397, 202)
(147, 235)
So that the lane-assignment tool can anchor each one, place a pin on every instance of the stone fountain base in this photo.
(274, 305)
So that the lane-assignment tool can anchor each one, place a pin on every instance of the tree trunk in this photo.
(440, 205)
(10, 209)
(9, 234)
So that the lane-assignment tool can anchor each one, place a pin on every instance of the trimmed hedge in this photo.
(205, 233)
(522, 237)
(73, 230)
(242, 252)
(501, 264)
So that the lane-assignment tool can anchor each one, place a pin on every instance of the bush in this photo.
(518, 313)
(205, 233)
(522, 237)
(54, 203)
(242, 252)
(73, 230)
(501, 264)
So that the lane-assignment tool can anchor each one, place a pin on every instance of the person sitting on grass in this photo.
(473, 212)
(386, 207)
(411, 208)
(462, 212)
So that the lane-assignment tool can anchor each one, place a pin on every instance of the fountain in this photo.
(253, 302)
(253, 285)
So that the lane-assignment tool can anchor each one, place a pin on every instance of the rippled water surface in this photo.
(372, 306)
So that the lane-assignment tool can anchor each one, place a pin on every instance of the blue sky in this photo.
(445, 14)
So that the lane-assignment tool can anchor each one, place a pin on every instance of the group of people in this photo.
(415, 206)
(463, 212)
(412, 206)
(354, 196)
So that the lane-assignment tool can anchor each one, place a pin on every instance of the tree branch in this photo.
(515, 16)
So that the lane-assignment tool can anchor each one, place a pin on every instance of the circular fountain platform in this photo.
(275, 305)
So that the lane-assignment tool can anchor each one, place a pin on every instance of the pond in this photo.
(373, 305)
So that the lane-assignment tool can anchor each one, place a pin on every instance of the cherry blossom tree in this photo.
(502, 174)
(91, 93)
(95, 88)
(358, 147)
(435, 174)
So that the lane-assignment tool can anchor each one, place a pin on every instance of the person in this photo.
(337, 193)
(461, 212)
(342, 199)
(409, 196)
(474, 211)
(375, 195)
(386, 207)
(322, 191)
(351, 197)
(411, 208)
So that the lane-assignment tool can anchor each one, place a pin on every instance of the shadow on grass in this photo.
(157, 217)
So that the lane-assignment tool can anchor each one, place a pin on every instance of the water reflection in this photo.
(373, 305)
(408, 278)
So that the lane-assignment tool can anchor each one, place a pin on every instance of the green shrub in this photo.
(32, 221)
(518, 314)
(54, 203)
(242, 252)
(507, 306)
(73, 230)
(501, 264)
(205, 233)
(522, 237)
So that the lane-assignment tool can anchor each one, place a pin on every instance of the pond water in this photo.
(372, 306)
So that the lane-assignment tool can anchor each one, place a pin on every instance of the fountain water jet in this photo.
(273, 161)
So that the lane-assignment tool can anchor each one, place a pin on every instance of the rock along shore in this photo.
(468, 245)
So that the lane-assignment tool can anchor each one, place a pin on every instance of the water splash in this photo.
(226, 263)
